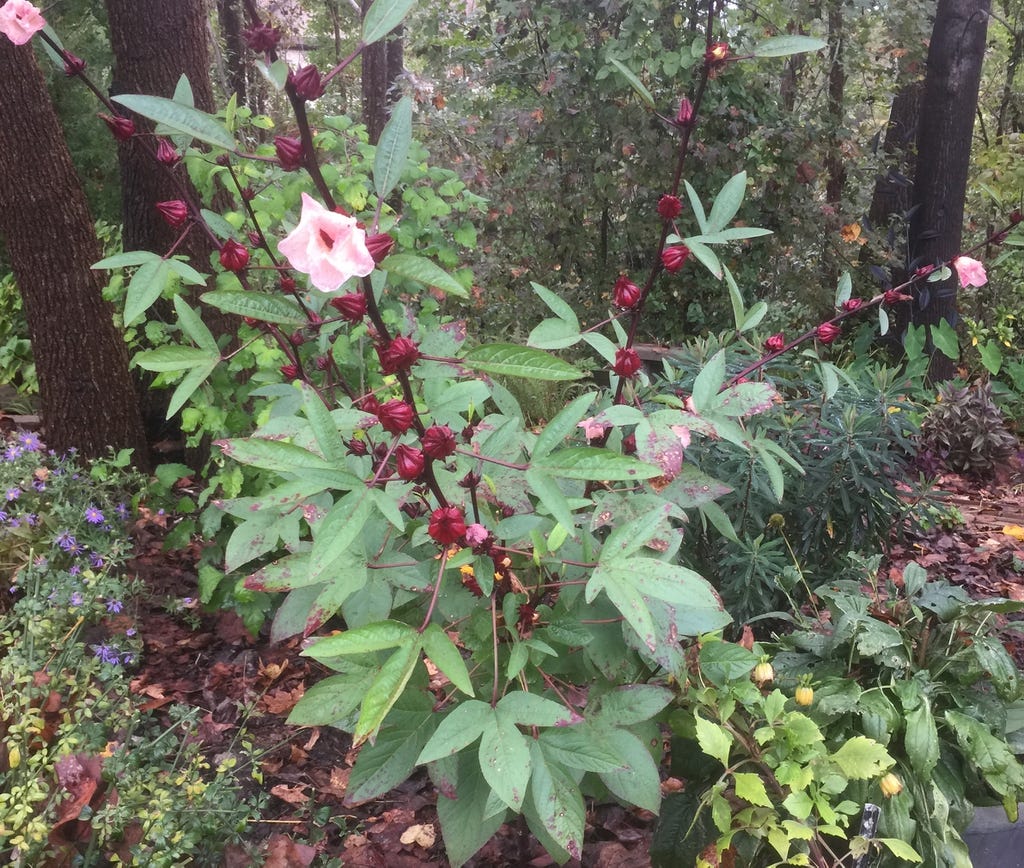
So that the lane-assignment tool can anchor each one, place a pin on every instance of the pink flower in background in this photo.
(327, 246)
(19, 19)
(591, 428)
(970, 271)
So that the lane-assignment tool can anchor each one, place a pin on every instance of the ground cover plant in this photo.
(526, 601)
(86, 775)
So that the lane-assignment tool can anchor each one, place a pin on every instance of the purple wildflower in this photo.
(107, 654)
(15, 522)
(93, 515)
(31, 519)
(76, 599)
(131, 631)
(30, 440)
(122, 511)
(13, 452)
(74, 570)
(3, 516)
(39, 485)
(114, 606)
(96, 560)
(65, 540)
(13, 493)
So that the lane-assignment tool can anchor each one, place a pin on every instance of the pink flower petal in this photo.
(970, 271)
(327, 246)
(19, 20)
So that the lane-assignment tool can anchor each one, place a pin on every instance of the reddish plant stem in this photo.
(436, 593)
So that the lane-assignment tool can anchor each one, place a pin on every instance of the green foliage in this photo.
(85, 774)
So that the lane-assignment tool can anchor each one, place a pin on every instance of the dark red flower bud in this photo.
(289, 152)
(352, 306)
(379, 246)
(468, 432)
(924, 270)
(122, 128)
(670, 207)
(290, 371)
(322, 363)
(626, 294)
(399, 355)
(629, 444)
(413, 508)
(684, 117)
(674, 257)
(775, 343)
(438, 442)
(447, 525)
(223, 160)
(380, 451)
(251, 321)
(73, 65)
(409, 462)
(288, 284)
(470, 583)
(254, 238)
(233, 256)
(357, 447)
(261, 37)
(852, 304)
(297, 338)
(166, 154)
(1016, 216)
(627, 362)
(369, 404)
(827, 332)
(395, 416)
(175, 212)
(894, 296)
(308, 83)
(470, 480)
(247, 193)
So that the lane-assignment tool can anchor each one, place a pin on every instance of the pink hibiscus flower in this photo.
(970, 271)
(19, 19)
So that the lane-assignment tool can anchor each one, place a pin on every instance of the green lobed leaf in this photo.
(634, 82)
(592, 463)
(334, 699)
(713, 740)
(583, 747)
(697, 206)
(510, 360)
(126, 259)
(173, 358)
(750, 788)
(559, 307)
(945, 339)
(257, 305)
(386, 689)
(709, 381)
(362, 640)
(505, 760)
(444, 654)
(563, 425)
(639, 783)
(529, 709)
(383, 17)
(728, 202)
(418, 268)
(194, 328)
(554, 334)
(386, 762)
(900, 849)
(145, 288)
(781, 46)
(393, 147)
(558, 802)
(459, 729)
(192, 381)
(632, 704)
(551, 496)
(465, 825)
(272, 455)
(861, 758)
(182, 118)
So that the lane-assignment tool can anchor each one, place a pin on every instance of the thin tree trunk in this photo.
(382, 64)
(86, 392)
(835, 163)
(955, 57)
(229, 15)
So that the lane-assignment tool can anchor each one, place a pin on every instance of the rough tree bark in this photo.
(383, 62)
(230, 17)
(955, 57)
(86, 392)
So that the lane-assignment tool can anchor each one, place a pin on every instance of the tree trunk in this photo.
(382, 64)
(229, 15)
(835, 163)
(86, 392)
(893, 191)
(955, 57)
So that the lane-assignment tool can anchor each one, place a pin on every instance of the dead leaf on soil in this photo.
(291, 795)
(283, 852)
(420, 834)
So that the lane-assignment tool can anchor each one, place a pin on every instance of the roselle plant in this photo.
(513, 598)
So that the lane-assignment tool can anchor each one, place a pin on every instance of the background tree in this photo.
(948, 107)
(87, 397)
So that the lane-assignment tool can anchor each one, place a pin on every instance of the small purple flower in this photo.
(3, 516)
(93, 515)
(30, 440)
(15, 522)
(39, 485)
(122, 511)
(128, 659)
(96, 561)
(114, 606)
(13, 493)
(74, 548)
(40, 562)
(13, 452)
(65, 540)
(74, 570)
(187, 601)
(131, 631)
(76, 599)
(31, 519)
(107, 654)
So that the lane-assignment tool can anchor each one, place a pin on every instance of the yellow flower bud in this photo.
(891, 785)
(804, 695)
(14, 757)
(763, 673)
